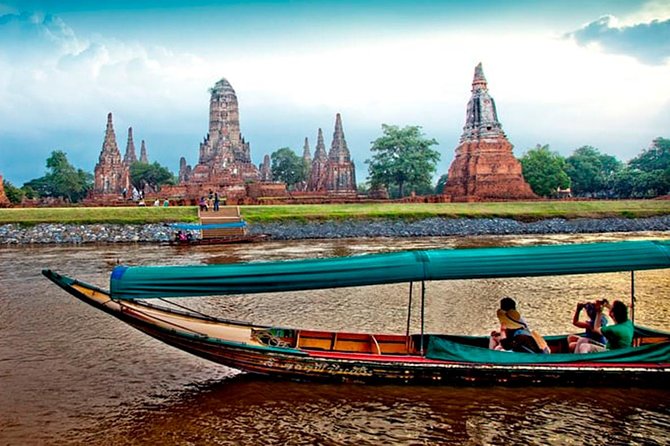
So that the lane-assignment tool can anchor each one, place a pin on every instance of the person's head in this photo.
(507, 303)
(619, 311)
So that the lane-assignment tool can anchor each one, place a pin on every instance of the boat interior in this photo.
(307, 340)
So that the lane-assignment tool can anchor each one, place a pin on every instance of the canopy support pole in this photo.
(409, 316)
(632, 297)
(423, 306)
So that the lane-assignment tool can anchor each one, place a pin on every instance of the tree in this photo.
(288, 167)
(62, 179)
(14, 194)
(590, 171)
(441, 182)
(655, 162)
(402, 159)
(544, 171)
(152, 175)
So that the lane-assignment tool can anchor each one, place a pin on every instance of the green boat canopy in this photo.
(145, 282)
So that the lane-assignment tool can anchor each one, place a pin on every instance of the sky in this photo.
(565, 73)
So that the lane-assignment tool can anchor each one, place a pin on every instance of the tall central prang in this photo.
(484, 167)
(225, 157)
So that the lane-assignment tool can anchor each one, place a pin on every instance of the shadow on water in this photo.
(251, 410)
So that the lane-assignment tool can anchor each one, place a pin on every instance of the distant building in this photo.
(484, 167)
(333, 172)
(266, 170)
(111, 175)
(225, 157)
(318, 171)
(4, 201)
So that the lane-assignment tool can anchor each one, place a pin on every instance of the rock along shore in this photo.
(12, 234)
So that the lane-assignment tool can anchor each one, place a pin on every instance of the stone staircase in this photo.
(225, 214)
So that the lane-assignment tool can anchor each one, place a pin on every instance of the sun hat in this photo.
(510, 319)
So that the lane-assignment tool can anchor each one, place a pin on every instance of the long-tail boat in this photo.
(295, 353)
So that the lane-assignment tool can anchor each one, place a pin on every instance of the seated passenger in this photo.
(589, 335)
(514, 333)
(619, 335)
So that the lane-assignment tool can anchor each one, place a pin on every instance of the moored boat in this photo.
(403, 358)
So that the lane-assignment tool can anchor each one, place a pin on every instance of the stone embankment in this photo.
(11, 234)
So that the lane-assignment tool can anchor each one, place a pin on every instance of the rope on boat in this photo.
(161, 320)
(184, 307)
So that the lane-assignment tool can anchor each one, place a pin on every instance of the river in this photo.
(70, 374)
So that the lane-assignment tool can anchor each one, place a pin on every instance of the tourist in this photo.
(166, 203)
(216, 202)
(589, 335)
(514, 334)
(141, 203)
(619, 335)
(125, 193)
(157, 202)
(203, 204)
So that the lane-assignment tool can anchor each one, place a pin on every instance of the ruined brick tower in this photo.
(4, 201)
(225, 157)
(110, 174)
(318, 171)
(341, 175)
(130, 157)
(266, 169)
(143, 153)
(484, 167)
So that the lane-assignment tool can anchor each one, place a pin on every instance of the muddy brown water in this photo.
(70, 374)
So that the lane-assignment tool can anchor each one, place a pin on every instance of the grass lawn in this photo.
(526, 211)
(83, 215)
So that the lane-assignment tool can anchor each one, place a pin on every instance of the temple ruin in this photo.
(332, 172)
(225, 157)
(4, 201)
(484, 167)
(111, 176)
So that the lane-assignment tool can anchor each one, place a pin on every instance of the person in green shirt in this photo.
(619, 335)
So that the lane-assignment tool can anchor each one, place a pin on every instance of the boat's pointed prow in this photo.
(61, 281)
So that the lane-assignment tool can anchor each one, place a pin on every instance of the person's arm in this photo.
(599, 318)
(575, 319)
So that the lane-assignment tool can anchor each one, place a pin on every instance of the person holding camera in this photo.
(589, 335)
(619, 335)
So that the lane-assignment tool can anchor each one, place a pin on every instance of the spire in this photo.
(266, 169)
(481, 121)
(479, 81)
(130, 156)
(320, 153)
(338, 149)
(306, 156)
(109, 148)
(143, 154)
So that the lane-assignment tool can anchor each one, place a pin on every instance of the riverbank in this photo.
(520, 211)
(15, 234)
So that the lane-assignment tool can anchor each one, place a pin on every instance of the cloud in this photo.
(647, 42)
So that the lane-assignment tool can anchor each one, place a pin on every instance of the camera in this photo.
(591, 307)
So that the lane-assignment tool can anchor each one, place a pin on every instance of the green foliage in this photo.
(635, 183)
(653, 165)
(656, 157)
(62, 180)
(288, 167)
(402, 160)
(152, 175)
(14, 194)
(544, 171)
(441, 182)
(591, 173)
